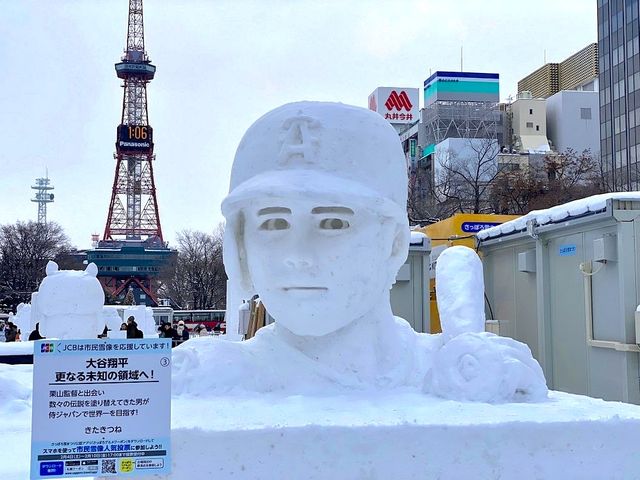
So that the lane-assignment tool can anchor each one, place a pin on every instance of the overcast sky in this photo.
(220, 65)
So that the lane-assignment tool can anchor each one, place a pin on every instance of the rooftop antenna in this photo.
(461, 69)
(545, 56)
(42, 196)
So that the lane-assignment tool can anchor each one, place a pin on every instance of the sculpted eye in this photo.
(275, 224)
(333, 224)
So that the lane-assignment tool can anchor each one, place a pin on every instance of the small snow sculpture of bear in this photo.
(69, 303)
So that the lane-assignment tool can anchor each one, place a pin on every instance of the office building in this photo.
(619, 81)
(578, 72)
(573, 121)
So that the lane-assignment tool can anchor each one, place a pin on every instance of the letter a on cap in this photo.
(299, 142)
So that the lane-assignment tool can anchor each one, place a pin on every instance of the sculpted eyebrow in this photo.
(338, 210)
(272, 210)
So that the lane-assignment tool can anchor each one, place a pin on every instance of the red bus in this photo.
(212, 319)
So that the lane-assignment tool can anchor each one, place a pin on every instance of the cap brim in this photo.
(308, 184)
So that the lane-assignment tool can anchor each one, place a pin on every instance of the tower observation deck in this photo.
(132, 253)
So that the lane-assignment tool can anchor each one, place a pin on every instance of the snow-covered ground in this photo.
(398, 435)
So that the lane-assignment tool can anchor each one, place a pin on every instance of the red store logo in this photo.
(398, 101)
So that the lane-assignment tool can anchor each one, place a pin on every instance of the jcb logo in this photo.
(398, 101)
(47, 348)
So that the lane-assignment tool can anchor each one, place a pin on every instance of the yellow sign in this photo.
(461, 228)
(126, 465)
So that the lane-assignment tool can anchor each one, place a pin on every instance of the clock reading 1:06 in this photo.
(136, 138)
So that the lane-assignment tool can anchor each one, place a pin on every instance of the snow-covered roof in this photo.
(417, 238)
(576, 208)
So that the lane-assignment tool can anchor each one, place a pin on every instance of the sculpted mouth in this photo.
(304, 289)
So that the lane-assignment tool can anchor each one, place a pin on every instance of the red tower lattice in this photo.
(133, 210)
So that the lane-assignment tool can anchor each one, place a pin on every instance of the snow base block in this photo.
(405, 436)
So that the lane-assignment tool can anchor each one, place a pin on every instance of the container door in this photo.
(567, 315)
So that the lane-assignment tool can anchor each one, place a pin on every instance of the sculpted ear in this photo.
(52, 267)
(91, 269)
(399, 250)
(401, 242)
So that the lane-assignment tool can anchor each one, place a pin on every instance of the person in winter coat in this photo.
(202, 331)
(10, 332)
(132, 328)
(182, 332)
(167, 331)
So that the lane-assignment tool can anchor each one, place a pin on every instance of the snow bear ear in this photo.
(91, 269)
(52, 267)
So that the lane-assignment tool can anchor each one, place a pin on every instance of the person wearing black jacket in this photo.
(167, 331)
(10, 332)
(132, 328)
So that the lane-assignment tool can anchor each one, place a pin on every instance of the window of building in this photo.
(585, 113)
(529, 124)
(531, 111)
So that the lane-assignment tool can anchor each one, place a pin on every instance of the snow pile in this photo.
(111, 318)
(15, 390)
(576, 208)
(22, 319)
(16, 348)
(417, 238)
(69, 303)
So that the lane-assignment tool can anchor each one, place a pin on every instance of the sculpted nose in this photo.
(298, 262)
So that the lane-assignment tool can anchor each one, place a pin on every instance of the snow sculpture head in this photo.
(316, 214)
(69, 303)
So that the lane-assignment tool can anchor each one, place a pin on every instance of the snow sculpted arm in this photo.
(474, 365)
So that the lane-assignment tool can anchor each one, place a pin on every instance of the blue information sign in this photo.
(474, 227)
(567, 250)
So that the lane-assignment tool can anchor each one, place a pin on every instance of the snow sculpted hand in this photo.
(483, 367)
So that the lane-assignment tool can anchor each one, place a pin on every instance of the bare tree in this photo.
(557, 179)
(465, 178)
(199, 279)
(422, 206)
(514, 189)
(25, 249)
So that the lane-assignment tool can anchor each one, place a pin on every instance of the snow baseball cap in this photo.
(331, 150)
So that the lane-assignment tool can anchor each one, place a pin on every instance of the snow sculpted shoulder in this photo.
(317, 227)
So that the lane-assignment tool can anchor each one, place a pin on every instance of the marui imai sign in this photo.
(398, 105)
(101, 407)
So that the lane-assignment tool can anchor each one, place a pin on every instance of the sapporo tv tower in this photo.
(132, 254)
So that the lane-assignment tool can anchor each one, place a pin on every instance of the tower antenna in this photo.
(43, 196)
(133, 209)
(132, 253)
